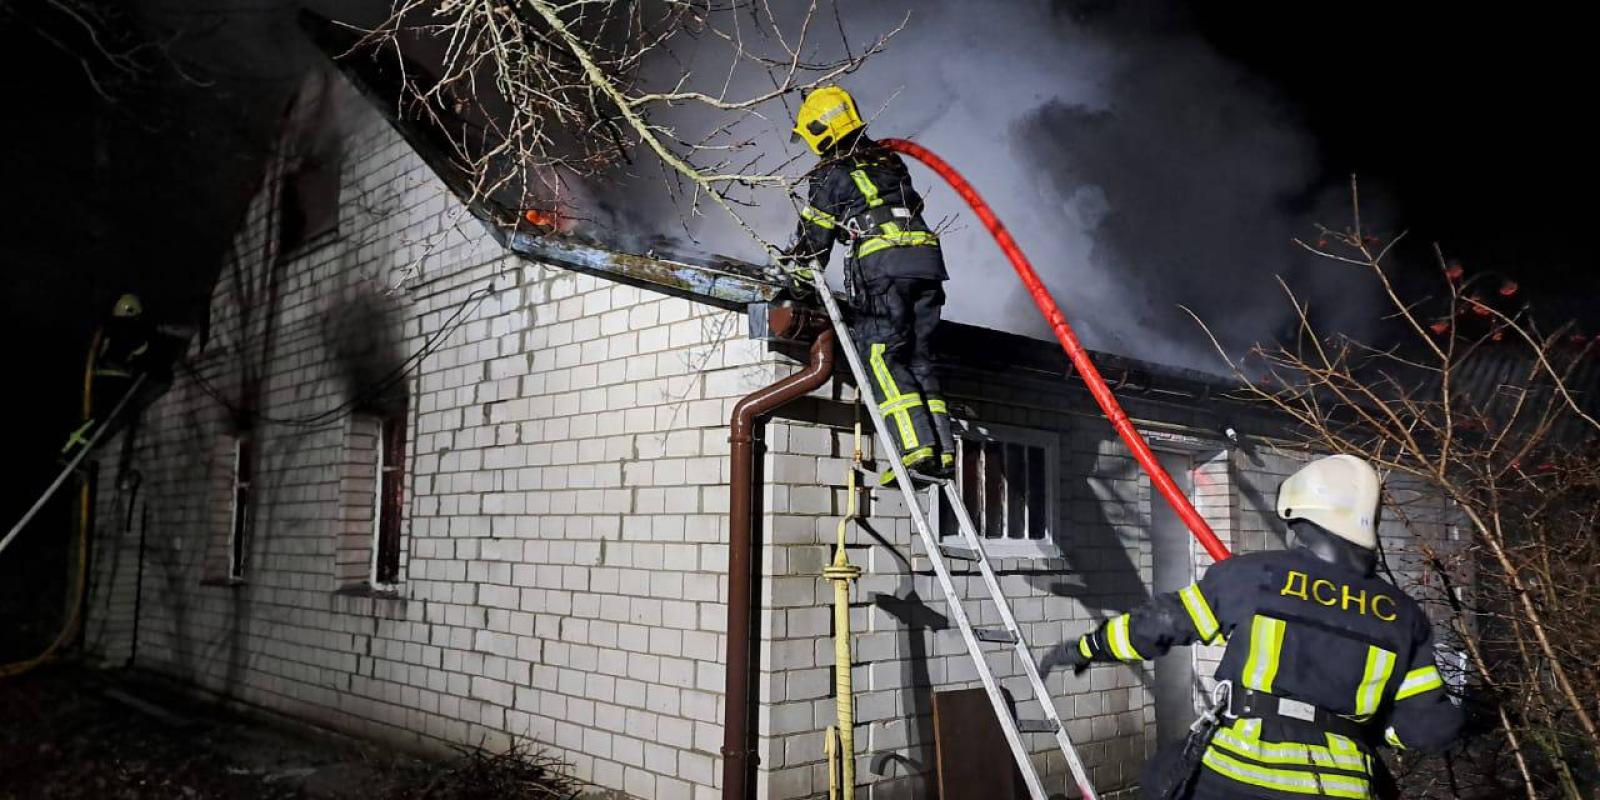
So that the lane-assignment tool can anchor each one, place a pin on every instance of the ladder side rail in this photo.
(72, 465)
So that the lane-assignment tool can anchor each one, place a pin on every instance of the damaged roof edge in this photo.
(719, 287)
(719, 281)
(722, 282)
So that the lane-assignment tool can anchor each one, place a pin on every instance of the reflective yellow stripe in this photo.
(916, 455)
(937, 406)
(1083, 647)
(903, 403)
(1392, 738)
(891, 393)
(868, 189)
(1305, 755)
(1422, 679)
(873, 244)
(1266, 640)
(1117, 637)
(1380, 666)
(1294, 781)
(880, 370)
(1205, 622)
(818, 217)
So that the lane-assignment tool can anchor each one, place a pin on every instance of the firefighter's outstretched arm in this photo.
(1200, 612)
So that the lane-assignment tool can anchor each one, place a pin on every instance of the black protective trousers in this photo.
(893, 328)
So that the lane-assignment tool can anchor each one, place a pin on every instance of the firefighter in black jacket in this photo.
(120, 353)
(1323, 657)
(861, 195)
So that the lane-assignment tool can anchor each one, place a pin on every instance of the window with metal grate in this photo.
(1007, 477)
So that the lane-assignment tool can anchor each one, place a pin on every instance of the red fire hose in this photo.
(1069, 342)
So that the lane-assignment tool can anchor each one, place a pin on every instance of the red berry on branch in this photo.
(1508, 288)
(1454, 272)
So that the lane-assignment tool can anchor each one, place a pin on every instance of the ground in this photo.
(69, 732)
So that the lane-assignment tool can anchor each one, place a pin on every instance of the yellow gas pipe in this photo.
(840, 744)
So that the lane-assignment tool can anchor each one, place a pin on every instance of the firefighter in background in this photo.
(1323, 657)
(119, 354)
(860, 195)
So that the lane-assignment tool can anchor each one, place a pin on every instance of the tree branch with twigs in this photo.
(562, 90)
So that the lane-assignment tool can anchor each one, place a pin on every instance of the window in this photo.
(1008, 483)
(388, 500)
(241, 510)
(372, 487)
(308, 191)
(310, 202)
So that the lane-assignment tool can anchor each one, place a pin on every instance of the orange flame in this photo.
(542, 218)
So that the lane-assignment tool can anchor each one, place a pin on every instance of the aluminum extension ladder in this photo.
(971, 551)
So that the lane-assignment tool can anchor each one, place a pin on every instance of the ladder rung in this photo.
(995, 635)
(960, 553)
(1036, 725)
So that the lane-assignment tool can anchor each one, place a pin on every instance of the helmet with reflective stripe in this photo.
(826, 116)
(127, 306)
(1339, 494)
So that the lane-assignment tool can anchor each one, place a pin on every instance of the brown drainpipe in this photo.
(738, 756)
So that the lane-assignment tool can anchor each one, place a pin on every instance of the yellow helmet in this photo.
(127, 306)
(1338, 493)
(826, 116)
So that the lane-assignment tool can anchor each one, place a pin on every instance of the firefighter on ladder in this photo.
(120, 353)
(860, 194)
(1323, 658)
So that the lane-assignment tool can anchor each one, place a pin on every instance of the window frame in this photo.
(1049, 442)
(240, 515)
(302, 181)
(388, 501)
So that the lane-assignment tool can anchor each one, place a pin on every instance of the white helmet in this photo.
(1338, 493)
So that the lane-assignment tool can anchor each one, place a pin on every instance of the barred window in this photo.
(1008, 483)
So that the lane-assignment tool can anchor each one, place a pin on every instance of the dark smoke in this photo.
(1138, 168)
(361, 330)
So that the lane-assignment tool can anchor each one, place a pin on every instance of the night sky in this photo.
(1471, 120)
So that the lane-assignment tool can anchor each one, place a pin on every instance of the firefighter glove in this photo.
(1066, 654)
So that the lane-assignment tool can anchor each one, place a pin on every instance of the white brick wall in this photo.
(565, 540)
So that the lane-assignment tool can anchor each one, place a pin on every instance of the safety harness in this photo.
(1245, 702)
(1251, 708)
(881, 228)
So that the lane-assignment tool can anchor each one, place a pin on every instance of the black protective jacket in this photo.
(1320, 641)
(861, 196)
(123, 348)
